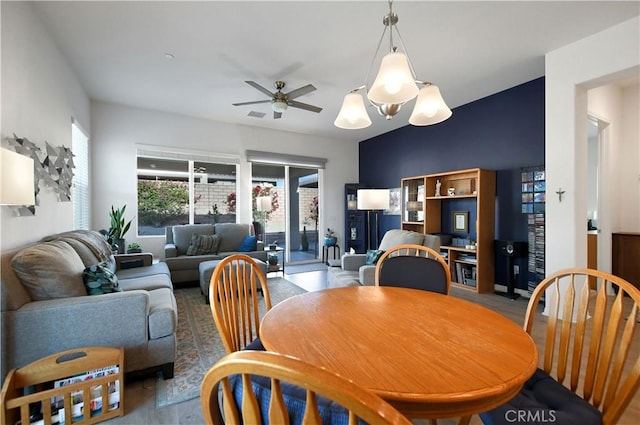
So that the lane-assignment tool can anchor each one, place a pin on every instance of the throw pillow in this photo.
(250, 243)
(203, 244)
(50, 270)
(99, 279)
(372, 256)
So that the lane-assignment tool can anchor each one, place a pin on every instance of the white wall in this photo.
(571, 71)
(117, 129)
(618, 162)
(630, 142)
(40, 95)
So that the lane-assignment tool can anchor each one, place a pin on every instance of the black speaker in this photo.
(510, 248)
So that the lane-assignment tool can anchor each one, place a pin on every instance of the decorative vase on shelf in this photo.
(304, 240)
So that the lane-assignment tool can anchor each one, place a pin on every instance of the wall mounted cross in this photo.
(559, 192)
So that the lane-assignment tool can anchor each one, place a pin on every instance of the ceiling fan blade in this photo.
(259, 87)
(251, 103)
(304, 106)
(277, 115)
(300, 91)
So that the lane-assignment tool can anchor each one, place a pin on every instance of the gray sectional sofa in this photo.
(352, 270)
(184, 268)
(46, 309)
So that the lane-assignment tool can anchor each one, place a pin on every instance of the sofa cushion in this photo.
(373, 255)
(249, 243)
(232, 235)
(92, 240)
(50, 270)
(182, 235)
(147, 283)
(163, 318)
(203, 244)
(99, 279)
(153, 269)
(395, 237)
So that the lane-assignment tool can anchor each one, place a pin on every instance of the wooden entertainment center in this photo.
(422, 211)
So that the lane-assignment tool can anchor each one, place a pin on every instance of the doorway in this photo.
(291, 220)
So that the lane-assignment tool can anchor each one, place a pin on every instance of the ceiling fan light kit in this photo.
(394, 85)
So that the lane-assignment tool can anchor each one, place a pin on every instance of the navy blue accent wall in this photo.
(502, 132)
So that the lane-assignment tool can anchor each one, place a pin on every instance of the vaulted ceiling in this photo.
(470, 49)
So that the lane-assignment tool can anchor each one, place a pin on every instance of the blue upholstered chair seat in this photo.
(255, 345)
(543, 400)
(294, 398)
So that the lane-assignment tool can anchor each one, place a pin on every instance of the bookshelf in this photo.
(427, 202)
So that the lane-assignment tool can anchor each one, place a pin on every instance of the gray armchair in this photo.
(353, 271)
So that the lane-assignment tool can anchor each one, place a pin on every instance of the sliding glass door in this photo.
(290, 217)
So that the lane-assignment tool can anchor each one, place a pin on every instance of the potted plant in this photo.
(134, 248)
(118, 227)
(330, 238)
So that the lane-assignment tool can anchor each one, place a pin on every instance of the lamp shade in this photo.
(353, 114)
(263, 203)
(430, 107)
(16, 179)
(394, 82)
(373, 199)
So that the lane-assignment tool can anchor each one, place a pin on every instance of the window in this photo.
(80, 189)
(183, 191)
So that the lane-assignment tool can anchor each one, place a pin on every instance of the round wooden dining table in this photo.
(429, 355)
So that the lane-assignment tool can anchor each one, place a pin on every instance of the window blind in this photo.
(80, 193)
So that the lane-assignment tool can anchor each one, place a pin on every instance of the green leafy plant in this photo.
(119, 227)
(133, 245)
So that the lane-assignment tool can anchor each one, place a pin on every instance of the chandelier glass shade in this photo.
(394, 85)
(430, 107)
(353, 114)
(394, 82)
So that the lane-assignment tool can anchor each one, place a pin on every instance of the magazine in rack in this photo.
(96, 403)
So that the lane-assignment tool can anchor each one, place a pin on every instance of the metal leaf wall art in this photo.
(55, 170)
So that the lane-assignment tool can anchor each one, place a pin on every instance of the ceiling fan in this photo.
(281, 101)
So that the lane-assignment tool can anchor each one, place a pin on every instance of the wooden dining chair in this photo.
(591, 362)
(235, 300)
(286, 390)
(413, 266)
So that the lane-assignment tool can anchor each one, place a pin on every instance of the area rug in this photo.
(199, 345)
(303, 268)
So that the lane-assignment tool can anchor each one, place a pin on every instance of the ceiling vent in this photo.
(256, 114)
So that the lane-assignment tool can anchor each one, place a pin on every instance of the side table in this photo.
(325, 253)
(275, 267)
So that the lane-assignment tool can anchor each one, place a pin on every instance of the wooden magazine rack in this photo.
(66, 379)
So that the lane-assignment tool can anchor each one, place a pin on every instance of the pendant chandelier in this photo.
(395, 85)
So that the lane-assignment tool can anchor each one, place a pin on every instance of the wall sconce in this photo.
(16, 179)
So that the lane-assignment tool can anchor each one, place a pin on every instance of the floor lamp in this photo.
(373, 200)
(263, 206)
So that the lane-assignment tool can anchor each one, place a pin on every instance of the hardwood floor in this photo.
(140, 396)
